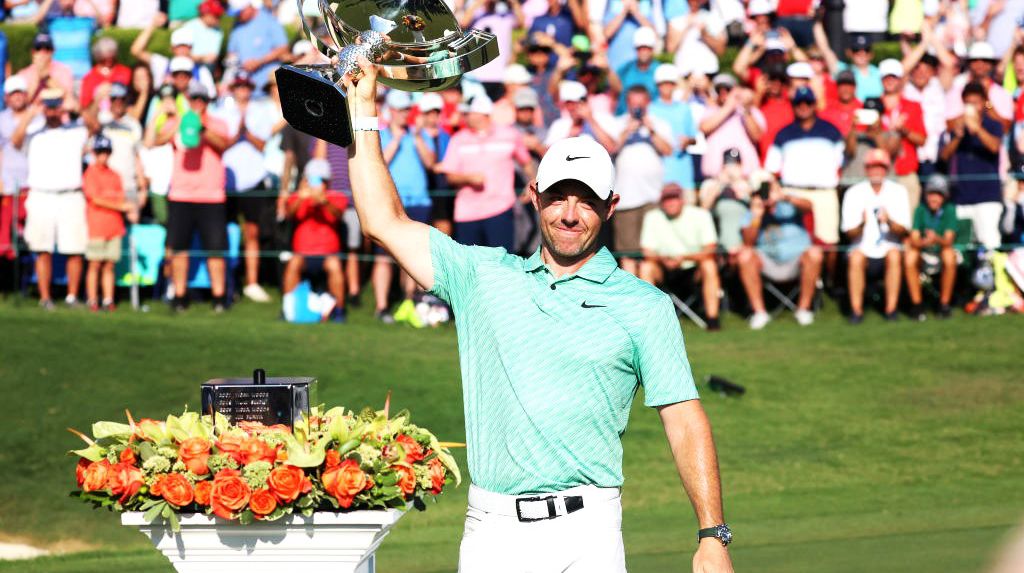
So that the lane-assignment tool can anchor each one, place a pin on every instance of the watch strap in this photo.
(721, 532)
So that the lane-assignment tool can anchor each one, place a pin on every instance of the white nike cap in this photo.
(581, 159)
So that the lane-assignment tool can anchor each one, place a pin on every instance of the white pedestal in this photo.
(329, 542)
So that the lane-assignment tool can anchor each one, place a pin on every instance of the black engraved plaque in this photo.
(260, 399)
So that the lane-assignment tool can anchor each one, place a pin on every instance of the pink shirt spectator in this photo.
(1001, 101)
(59, 75)
(728, 135)
(199, 173)
(494, 154)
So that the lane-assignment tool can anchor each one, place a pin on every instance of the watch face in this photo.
(724, 534)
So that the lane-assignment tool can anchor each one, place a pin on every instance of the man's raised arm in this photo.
(380, 210)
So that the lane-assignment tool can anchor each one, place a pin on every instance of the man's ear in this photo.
(613, 202)
(534, 195)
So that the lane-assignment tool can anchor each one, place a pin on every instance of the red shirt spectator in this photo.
(778, 113)
(106, 70)
(102, 182)
(841, 109)
(907, 114)
(316, 231)
(795, 8)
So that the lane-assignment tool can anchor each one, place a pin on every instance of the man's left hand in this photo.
(711, 557)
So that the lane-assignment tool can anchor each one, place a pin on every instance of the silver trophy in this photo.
(416, 45)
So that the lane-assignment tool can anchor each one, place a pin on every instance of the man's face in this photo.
(246, 14)
(180, 80)
(478, 121)
(722, 92)
(54, 115)
(644, 55)
(574, 109)
(762, 22)
(242, 93)
(210, 20)
(431, 118)
(102, 158)
(198, 105)
(118, 106)
(803, 110)
(537, 58)
(637, 100)
(672, 206)
(975, 101)
(892, 84)
(774, 87)
(571, 216)
(846, 92)
(922, 74)
(42, 55)
(400, 117)
(876, 174)
(524, 115)
(934, 201)
(17, 100)
(182, 50)
(980, 69)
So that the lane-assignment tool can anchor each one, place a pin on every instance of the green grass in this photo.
(884, 448)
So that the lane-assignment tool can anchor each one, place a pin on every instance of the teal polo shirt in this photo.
(550, 366)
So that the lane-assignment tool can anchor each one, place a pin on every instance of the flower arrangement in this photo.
(334, 460)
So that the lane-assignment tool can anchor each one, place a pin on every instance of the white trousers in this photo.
(985, 218)
(586, 541)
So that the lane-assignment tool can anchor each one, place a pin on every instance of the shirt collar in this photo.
(597, 269)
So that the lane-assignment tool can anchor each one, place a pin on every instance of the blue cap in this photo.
(102, 144)
(42, 40)
(804, 94)
(860, 42)
(118, 91)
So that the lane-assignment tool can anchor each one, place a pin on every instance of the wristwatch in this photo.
(720, 532)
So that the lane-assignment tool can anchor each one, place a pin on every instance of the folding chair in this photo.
(786, 293)
(685, 297)
(965, 243)
(143, 258)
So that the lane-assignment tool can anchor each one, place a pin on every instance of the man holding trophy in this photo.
(553, 348)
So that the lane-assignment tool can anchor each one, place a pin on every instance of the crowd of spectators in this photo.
(755, 142)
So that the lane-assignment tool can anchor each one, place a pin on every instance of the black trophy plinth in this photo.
(260, 399)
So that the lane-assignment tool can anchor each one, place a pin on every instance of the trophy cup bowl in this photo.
(416, 45)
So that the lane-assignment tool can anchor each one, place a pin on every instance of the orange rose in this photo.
(95, 476)
(256, 450)
(287, 482)
(437, 473)
(202, 492)
(332, 459)
(406, 479)
(229, 494)
(413, 450)
(194, 453)
(262, 502)
(231, 446)
(345, 481)
(175, 489)
(80, 470)
(124, 480)
(127, 456)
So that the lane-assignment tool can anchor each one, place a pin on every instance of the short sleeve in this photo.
(455, 267)
(919, 218)
(660, 358)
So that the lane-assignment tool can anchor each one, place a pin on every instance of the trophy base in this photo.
(314, 104)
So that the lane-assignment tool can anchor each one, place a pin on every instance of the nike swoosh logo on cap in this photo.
(571, 158)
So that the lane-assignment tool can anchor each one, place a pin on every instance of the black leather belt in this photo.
(573, 503)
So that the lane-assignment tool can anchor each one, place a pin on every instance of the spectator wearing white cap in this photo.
(620, 21)
(579, 119)
(106, 70)
(675, 113)
(981, 65)
(55, 208)
(258, 42)
(643, 142)
(181, 49)
(697, 38)
(731, 121)
(638, 71)
(480, 164)
(207, 35)
(317, 211)
(14, 163)
(409, 156)
(903, 129)
(516, 78)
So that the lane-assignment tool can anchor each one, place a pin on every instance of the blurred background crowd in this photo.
(768, 153)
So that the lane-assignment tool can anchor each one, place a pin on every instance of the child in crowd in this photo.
(931, 246)
(317, 212)
(105, 209)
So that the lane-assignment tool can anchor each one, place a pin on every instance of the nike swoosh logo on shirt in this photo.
(585, 305)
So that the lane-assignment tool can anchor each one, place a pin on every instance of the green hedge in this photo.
(19, 41)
